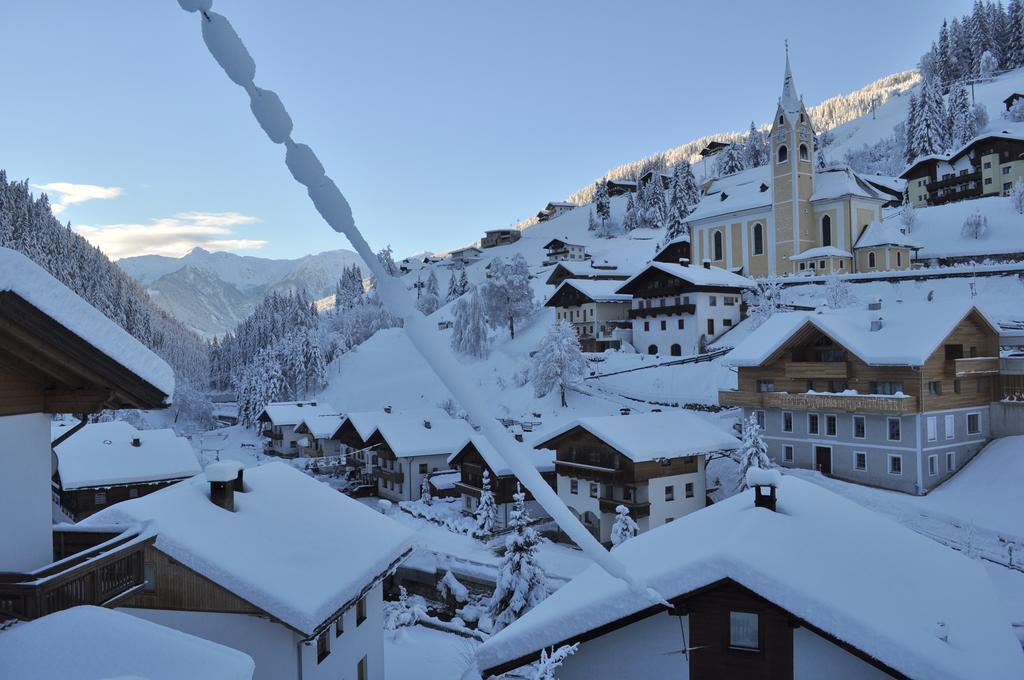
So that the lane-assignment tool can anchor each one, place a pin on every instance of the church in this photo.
(790, 216)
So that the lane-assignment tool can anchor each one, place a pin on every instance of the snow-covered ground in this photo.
(418, 653)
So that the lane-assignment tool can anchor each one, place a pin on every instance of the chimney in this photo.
(624, 411)
(707, 264)
(765, 483)
(876, 324)
(223, 477)
(387, 408)
(427, 424)
(136, 442)
(684, 261)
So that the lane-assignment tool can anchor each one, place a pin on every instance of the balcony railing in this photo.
(816, 370)
(658, 311)
(636, 508)
(101, 575)
(970, 367)
(847, 403)
(953, 180)
(396, 476)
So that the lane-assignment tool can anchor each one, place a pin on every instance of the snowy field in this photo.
(419, 653)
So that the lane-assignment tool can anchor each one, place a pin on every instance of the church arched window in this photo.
(782, 121)
(718, 245)
(758, 239)
(804, 153)
(871, 259)
(826, 231)
(783, 154)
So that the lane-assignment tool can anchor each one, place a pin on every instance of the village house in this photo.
(104, 463)
(589, 269)
(675, 251)
(554, 209)
(560, 250)
(478, 456)
(988, 165)
(262, 561)
(678, 309)
(410, 450)
(316, 435)
(357, 427)
(465, 256)
(618, 187)
(785, 581)
(895, 396)
(651, 463)
(1012, 99)
(598, 313)
(500, 237)
(280, 420)
(759, 219)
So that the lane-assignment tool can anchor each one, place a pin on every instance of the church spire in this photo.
(789, 101)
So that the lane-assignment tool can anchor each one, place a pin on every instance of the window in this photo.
(574, 486)
(712, 300)
(787, 421)
(628, 493)
(957, 386)
(830, 426)
(743, 630)
(100, 498)
(766, 385)
(711, 327)
(675, 350)
(859, 427)
(718, 245)
(899, 258)
(670, 493)
(1006, 169)
(860, 461)
(973, 423)
(871, 259)
(950, 426)
(679, 324)
(812, 423)
(323, 647)
(339, 623)
(758, 239)
(932, 427)
(361, 610)
(889, 388)
(783, 154)
(933, 465)
(759, 417)
(664, 325)
(647, 325)
(804, 153)
(826, 231)
(149, 574)
(935, 388)
(950, 461)
(787, 454)
(988, 180)
(729, 301)
(594, 489)
(689, 489)
(361, 672)
(895, 464)
(652, 349)
(423, 468)
(894, 429)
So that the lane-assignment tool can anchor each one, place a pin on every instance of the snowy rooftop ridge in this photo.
(842, 181)
(821, 251)
(895, 584)
(694, 274)
(543, 460)
(961, 150)
(367, 422)
(103, 454)
(598, 290)
(426, 436)
(293, 412)
(29, 281)
(321, 425)
(885, 234)
(300, 577)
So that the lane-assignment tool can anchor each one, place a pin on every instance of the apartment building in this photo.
(988, 165)
(599, 314)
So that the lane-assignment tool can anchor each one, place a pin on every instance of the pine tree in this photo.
(988, 64)
(521, 582)
(753, 452)
(549, 663)
(945, 65)
(932, 131)
(486, 514)
(629, 219)
(910, 152)
(643, 193)
(558, 362)
(454, 289)
(624, 528)
(429, 300)
(463, 282)
(657, 211)
(963, 127)
(469, 330)
(678, 208)
(756, 151)
(592, 223)
(387, 260)
(507, 295)
(980, 35)
(1015, 29)
(602, 204)
(1017, 196)
(730, 160)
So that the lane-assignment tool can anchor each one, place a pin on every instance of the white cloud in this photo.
(171, 236)
(63, 194)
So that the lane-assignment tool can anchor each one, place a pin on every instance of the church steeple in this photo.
(790, 100)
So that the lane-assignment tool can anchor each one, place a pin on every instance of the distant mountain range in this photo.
(213, 292)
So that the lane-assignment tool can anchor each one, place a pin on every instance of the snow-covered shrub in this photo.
(521, 583)
(753, 451)
(980, 116)
(1016, 112)
(975, 226)
(1017, 194)
(839, 293)
(425, 496)
(763, 301)
(549, 663)
(624, 528)
(407, 611)
(507, 296)
(429, 300)
(451, 590)
(558, 361)
(486, 515)
(384, 506)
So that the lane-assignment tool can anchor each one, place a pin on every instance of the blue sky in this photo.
(437, 120)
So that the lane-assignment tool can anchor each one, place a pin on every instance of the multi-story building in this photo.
(357, 427)
(891, 396)
(588, 269)
(679, 308)
(598, 313)
(988, 165)
(409, 451)
(651, 463)
(316, 435)
(560, 250)
(279, 420)
(500, 237)
(554, 209)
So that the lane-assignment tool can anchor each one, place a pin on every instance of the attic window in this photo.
(764, 187)
(722, 196)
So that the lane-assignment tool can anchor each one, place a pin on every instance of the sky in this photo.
(437, 120)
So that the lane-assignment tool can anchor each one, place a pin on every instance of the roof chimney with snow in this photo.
(223, 477)
(684, 261)
(876, 324)
(387, 408)
(427, 424)
(765, 483)
(136, 442)
(707, 264)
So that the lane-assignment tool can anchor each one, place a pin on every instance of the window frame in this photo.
(899, 429)
(688, 490)
(890, 457)
(977, 416)
(788, 455)
(949, 425)
(864, 427)
(784, 415)
(782, 155)
(950, 461)
(574, 486)
(323, 646)
(670, 493)
(933, 464)
(858, 455)
(834, 419)
(758, 632)
(360, 610)
(817, 423)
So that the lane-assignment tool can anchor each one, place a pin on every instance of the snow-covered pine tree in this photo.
(624, 528)
(261, 384)
(469, 329)
(1017, 196)
(1015, 29)
(910, 125)
(838, 293)
(691, 192)
(558, 362)
(1016, 112)
(753, 452)
(756, 150)
(486, 514)
(425, 490)
(763, 301)
(932, 130)
(349, 288)
(454, 289)
(730, 160)
(975, 226)
(387, 260)
(602, 204)
(549, 663)
(507, 295)
(988, 65)
(657, 210)
(429, 300)
(945, 65)
(643, 193)
(980, 35)
(629, 218)
(463, 282)
(678, 208)
(980, 116)
(963, 127)
(592, 223)
(521, 583)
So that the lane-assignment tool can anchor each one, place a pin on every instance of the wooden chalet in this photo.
(712, 148)
(585, 270)
(618, 187)
(1012, 99)
(676, 251)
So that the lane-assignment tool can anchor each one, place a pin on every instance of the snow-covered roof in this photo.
(556, 242)
(542, 459)
(839, 182)
(695, 274)
(321, 425)
(302, 577)
(650, 436)
(102, 454)
(910, 332)
(894, 184)
(734, 193)
(32, 283)
(884, 234)
(94, 642)
(588, 269)
(854, 574)
(598, 290)
(822, 251)
(294, 412)
(366, 422)
(413, 438)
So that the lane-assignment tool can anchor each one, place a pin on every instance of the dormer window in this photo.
(783, 154)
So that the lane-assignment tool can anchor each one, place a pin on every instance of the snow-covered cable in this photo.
(229, 51)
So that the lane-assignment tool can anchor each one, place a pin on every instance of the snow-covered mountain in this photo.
(213, 292)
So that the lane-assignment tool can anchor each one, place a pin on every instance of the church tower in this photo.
(792, 159)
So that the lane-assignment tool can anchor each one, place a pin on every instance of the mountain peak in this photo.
(197, 252)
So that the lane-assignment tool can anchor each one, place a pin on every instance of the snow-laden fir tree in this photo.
(1015, 28)
(763, 301)
(387, 260)
(521, 583)
(730, 160)
(975, 226)
(678, 207)
(910, 126)
(469, 330)
(624, 528)
(507, 295)
(602, 204)
(486, 515)
(945, 66)
(987, 65)
(657, 209)
(349, 288)
(558, 362)
(549, 663)
(980, 35)
(425, 490)
(429, 300)
(261, 384)
(931, 134)
(963, 126)
(980, 116)
(756, 151)
(839, 293)
(454, 289)
(463, 282)
(630, 221)
(1016, 112)
(753, 452)
(1017, 196)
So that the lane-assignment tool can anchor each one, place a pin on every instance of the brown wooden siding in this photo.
(578, 446)
(82, 502)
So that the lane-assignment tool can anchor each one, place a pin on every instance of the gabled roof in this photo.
(408, 438)
(858, 576)
(910, 332)
(645, 437)
(559, 204)
(103, 454)
(557, 242)
(321, 425)
(822, 251)
(953, 155)
(594, 290)
(884, 234)
(294, 412)
(735, 193)
(696, 275)
(841, 181)
(543, 460)
(574, 269)
(301, 577)
(366, 422)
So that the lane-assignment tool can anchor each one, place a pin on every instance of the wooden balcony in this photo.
(670, 310)
(975, 366)
(853, 403)
(593, 473)
(636, 508)
(817, 370)
(102, 575)
(396, 476)
(742, 399)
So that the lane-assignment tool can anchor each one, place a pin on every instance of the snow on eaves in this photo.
(746, 190)
(103, 454)
(953, 155)
(597, 290)
(426, 436)
(884, 234)
(367, 422)
(822, 251)
(842, 181)
(695, 274)
(542, 459)
(294, 412)
(32, 283)
(321, 425)
(886, 588)
(94, 642)
(650, 436)
(294, 547)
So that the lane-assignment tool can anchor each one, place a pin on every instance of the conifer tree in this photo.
(963, 126)
(463, 282)
(592, 223)
(910, 151)
(454, 289)
(507, 295)
(469, 330)
(559, 361)
(486, 514)
(756, 151)
(944, 67)
(550, 662)
(730, 160)
(657, 211)
(932, 132)
(753, 452)
(624, 528)
(602, 204)
(678, 208)
(629, 219)
(521, 583)
(1015, 31)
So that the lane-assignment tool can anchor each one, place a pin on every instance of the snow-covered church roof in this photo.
(837, 182)
(294, 547)
(885, 234)
(885, 589)
(103, 454)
